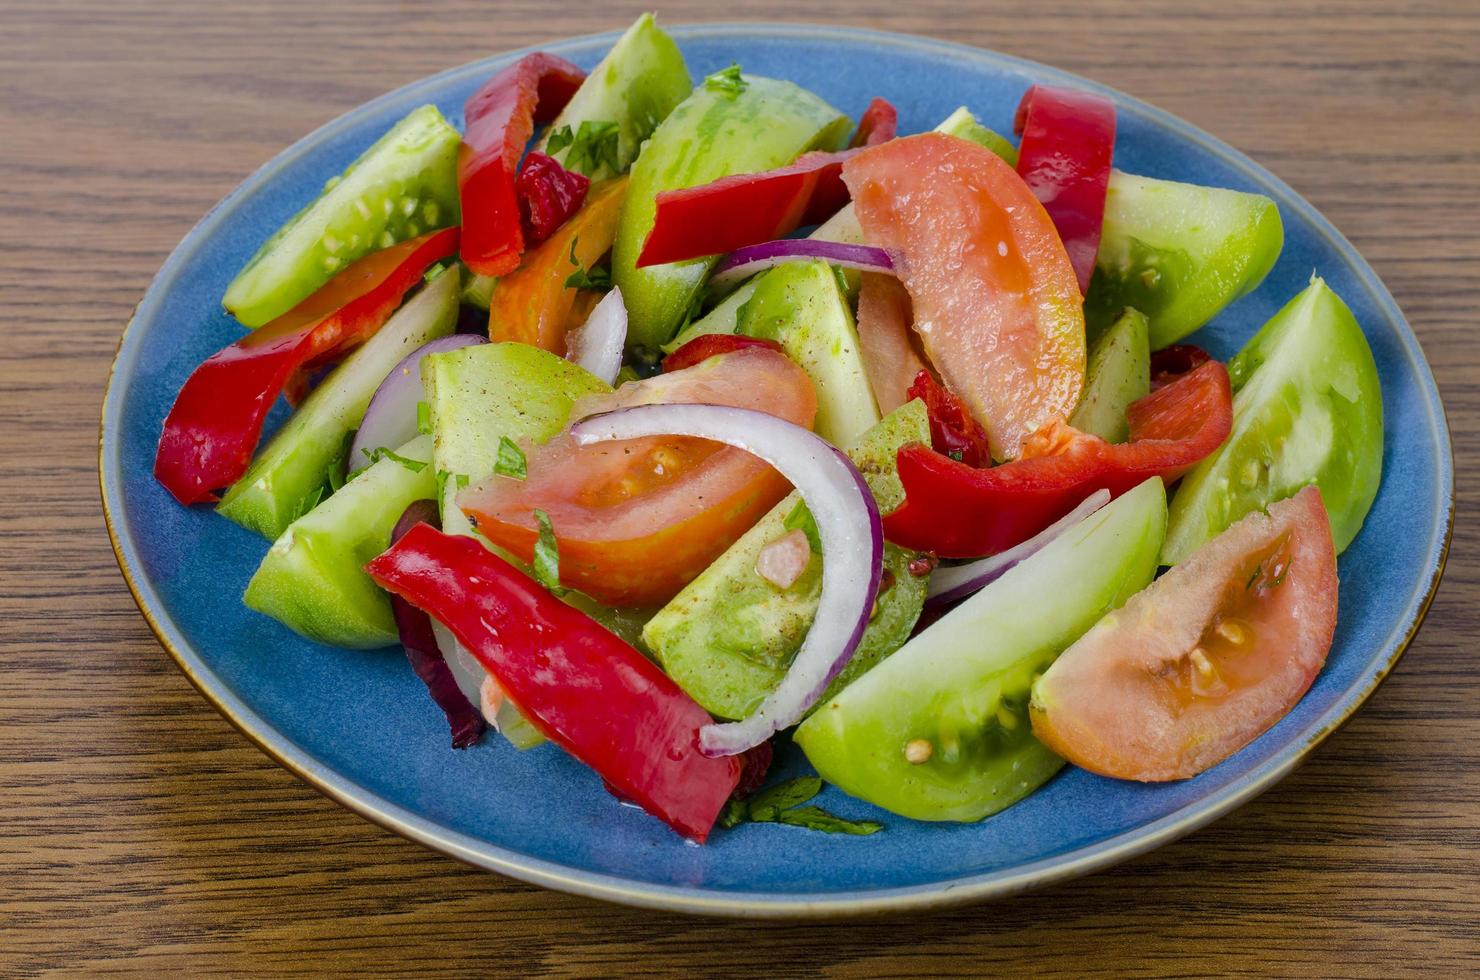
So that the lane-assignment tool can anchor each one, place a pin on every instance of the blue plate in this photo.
(360, 727)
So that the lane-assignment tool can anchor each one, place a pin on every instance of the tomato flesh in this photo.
(635, 521)
(1206, 659)
(996, 301)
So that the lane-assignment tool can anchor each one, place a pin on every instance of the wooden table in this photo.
(139, 831)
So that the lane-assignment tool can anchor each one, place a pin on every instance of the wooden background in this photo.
(139, 831)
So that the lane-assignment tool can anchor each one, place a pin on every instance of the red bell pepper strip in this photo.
(216, 421)
(549, 194)
(577, 682)
(708, 345)
(953, 431)
(1068, 137)
(745, 209)
(960, 512)
(501, 117)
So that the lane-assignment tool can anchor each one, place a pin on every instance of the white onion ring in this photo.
(596, 345)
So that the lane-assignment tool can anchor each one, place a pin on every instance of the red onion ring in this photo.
(390, 418)
(743, 263)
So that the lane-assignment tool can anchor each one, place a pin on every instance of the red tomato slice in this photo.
(1204, 660)
(996, 302)
(636, 521)
(885, 340)
(957, 511)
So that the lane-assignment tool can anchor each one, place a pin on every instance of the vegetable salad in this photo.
(659, 419)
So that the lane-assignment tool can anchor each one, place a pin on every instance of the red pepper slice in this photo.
(745, 209)
(1170, 363)
(217, 418)
(501, 117)
(1068, 137)
(953, 431)
(576, 681)
(708, 345)
(960, 512)
(549, 194)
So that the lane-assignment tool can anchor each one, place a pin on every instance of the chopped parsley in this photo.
(436, 270)
(511, 460)
(842, 277)
(593, 278)
(547, 555)
(414, 465)
(801, 519)
(309, 503)
(727, 81)
(424, 418)
(593, 146)
(783, 803)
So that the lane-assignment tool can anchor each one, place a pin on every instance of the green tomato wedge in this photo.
(728, 638)
(1307, 408)
(715, 132)
(292, 473)
(313, 581)
(940, 730)
(1118, 373)
(803, 307)
(635, 86)
(403, 186)
(842, 227)
(1179, 253)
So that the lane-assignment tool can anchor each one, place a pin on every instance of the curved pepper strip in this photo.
(501, 117)
(745, 209)
(960, 512)
(216, 421)
(1068, 137)
(582, 686)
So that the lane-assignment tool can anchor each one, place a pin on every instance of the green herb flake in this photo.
(595, 278)
(424, 418)
(338, 470)
(511, 461)
(727, 81)
(801, 519)
(414, 465)
(594, 148)
(734, 814)
(816, 818)
(309, 502)
(842, 278)
(558, 140)
(767, 805)
(436, 270)
(547, 556)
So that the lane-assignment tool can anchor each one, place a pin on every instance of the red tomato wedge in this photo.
(957, 511)
(635, 521)
(581, 685)
(1204, 660)
(996, 302)
(501, 117)
(532, 304)
(885, 340)
(217, 418)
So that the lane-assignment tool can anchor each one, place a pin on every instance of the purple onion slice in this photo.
(848, 525)
(596, 345)
(422, 650)
(745, 262)
(390, 418)
(947, 584)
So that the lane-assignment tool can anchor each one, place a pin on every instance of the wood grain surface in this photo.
(139, 832)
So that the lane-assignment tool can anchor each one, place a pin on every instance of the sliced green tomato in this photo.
(313, 581)
(403, 186)
(713, 133)
(292, 472)
(1119, 372)
(1179, 253)
(636, 86)
(940, 730)
(801, 306)
(729, 636)
(1307, 408)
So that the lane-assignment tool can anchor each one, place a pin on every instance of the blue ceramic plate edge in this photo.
(479, 853)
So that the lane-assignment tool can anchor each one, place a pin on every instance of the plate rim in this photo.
(821, 904)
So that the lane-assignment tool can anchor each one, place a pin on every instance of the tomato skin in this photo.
(582, 686)
(637, 520)
(708, 345)
(532, 304)
(217, 418)
(1204, 660)
(957, 511)
(996, 301)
